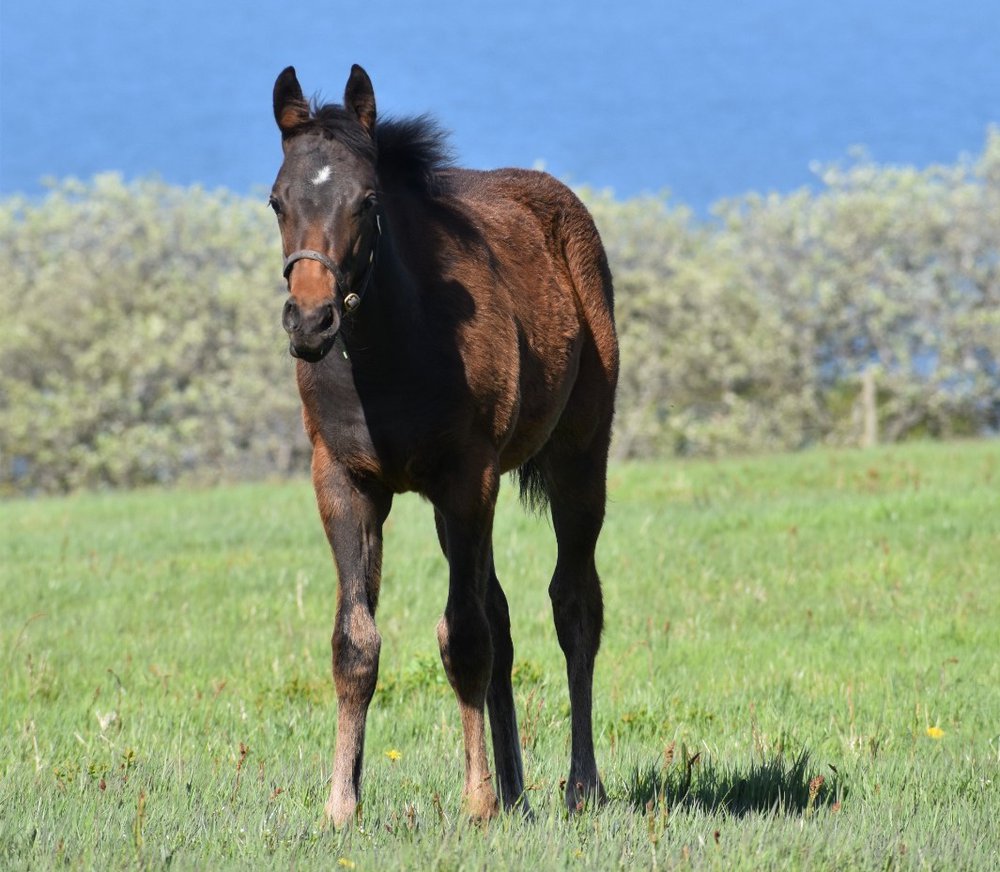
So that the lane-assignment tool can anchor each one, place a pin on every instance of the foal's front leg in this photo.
(464, 630)
(353, 512)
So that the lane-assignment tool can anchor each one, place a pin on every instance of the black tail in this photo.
(531, 482)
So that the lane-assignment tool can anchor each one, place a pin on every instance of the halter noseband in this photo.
(351, 300)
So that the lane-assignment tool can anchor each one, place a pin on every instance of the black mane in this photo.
(412, 151)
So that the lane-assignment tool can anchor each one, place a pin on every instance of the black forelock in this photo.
(335, 122)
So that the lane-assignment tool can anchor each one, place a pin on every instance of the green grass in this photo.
(167, 700)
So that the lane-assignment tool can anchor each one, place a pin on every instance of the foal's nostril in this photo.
(325, 318)
(290, 316)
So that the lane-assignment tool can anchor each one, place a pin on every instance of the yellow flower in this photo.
(347, 864)
(935, 732)
(393, 755)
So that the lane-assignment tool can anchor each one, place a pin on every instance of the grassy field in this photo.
(800, 670)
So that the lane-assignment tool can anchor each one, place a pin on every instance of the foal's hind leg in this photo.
(500, 701)
(500, 694)
(576, 485)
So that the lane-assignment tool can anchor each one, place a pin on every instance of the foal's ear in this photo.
(290, 107)
(359, 97)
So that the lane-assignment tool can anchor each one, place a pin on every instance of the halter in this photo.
(351, 300)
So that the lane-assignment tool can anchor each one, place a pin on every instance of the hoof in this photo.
(523, 809)
(341, 811)
(481, 804)
(582, 794)
(525, 812)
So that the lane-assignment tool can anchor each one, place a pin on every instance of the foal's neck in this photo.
(384, 326)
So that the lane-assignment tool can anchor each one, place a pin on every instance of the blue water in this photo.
(705, 98)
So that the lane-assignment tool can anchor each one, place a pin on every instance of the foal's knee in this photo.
(356, 644)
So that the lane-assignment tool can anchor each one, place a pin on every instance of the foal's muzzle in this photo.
(312, 331)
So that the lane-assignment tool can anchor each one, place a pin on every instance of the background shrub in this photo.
(140, 338)
(752, 332)
(138, 341)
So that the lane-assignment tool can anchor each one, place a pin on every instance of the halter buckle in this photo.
(351, 302)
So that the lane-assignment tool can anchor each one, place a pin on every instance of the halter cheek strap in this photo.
(351, 300)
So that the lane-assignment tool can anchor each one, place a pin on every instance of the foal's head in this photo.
(327, 208)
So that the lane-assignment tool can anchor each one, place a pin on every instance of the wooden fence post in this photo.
(869, 409)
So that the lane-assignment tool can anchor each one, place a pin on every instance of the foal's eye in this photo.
(275, 205)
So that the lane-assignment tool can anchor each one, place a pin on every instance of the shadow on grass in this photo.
(777, 785)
